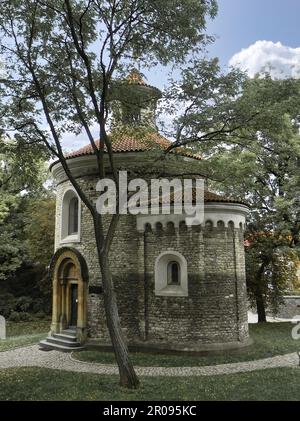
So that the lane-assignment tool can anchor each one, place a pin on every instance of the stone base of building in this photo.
(172, 348)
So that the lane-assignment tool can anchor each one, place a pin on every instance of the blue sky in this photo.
(251, 34)
(241, 24)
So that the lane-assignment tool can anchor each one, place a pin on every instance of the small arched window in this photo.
(170, 277)
(70, 217)
(173, 273)
(73, 216)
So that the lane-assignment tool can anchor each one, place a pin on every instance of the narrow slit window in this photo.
(173, 273)
(73, 216)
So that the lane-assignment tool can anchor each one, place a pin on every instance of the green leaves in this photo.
(39, 230)
(22, 174)
(260, 164)
(61, 56)
(208, 100)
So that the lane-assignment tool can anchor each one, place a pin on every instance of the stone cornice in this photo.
(145, 162)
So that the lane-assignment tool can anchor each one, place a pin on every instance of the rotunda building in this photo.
(179, 287)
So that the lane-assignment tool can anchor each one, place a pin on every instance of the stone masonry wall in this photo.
(210, 313)
(290, 307)
(215, 309)
(123, 264)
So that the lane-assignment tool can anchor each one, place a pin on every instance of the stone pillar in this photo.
(63, 317)
(55, 308)
(141, 285)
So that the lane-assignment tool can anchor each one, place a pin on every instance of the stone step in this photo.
(47, 346)
(62, 342)
(69, 332)
(71, 328)
(65, 337)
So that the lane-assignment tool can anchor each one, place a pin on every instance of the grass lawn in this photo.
(24, 333)
(44, 384)
(31, 384)
(270, 339)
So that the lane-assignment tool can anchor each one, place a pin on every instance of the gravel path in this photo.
(31, 356)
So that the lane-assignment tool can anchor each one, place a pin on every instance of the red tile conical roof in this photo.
(126, 142)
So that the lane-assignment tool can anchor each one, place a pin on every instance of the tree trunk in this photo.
(260, 304)
(128, 377)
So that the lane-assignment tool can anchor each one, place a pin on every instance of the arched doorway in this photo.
(69, 279)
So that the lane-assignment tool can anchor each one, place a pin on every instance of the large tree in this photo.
(26, 229)
(60, 59)
(21, 178)
(256, 158)
(39, 221)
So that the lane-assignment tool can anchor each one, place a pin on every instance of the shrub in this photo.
(14, 316)
(7, 302)
(40, 315)
(19, 317)
(25, 317)
(23, 304)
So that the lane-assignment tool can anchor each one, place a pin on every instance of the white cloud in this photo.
(278, 59)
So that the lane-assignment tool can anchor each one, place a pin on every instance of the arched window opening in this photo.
(173, 273)
(171, 278)
(220, 225)
(158, 227)
(148, 227)
(182, 226)
(170, 227)
(70, 217)
(209, 225)
(231, 225)
(73, 216)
